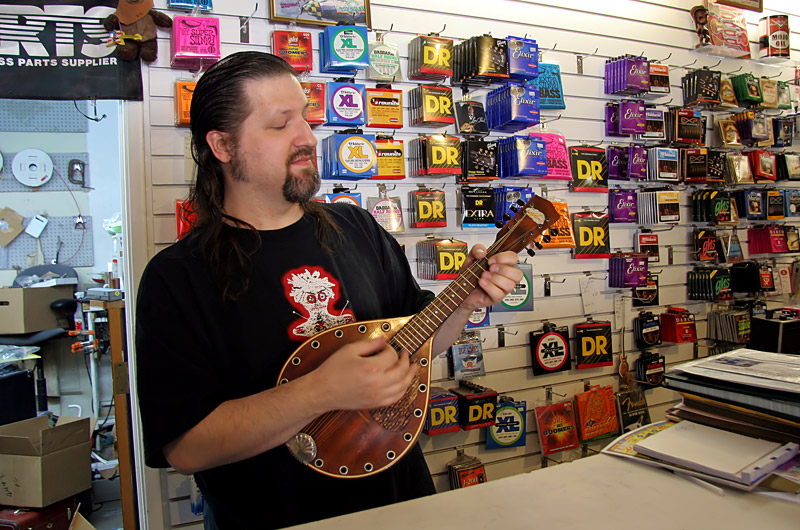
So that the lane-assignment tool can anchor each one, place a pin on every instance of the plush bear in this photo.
(136, 21)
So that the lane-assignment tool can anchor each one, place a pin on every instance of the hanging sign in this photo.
(58, 49)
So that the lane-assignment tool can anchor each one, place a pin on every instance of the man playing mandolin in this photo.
(263, 269)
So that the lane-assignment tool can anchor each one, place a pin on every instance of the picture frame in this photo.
(751, 5)
(321, 12)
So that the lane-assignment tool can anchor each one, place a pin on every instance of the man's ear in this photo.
(220, 145)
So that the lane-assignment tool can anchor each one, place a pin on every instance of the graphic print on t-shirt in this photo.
(314, 292)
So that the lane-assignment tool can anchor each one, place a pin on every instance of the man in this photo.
(264, 268)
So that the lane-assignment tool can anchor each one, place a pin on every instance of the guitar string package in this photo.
(349, 156)
(627, 75)
(479, 161)
(391, 158)
(646, 330)
(480, 61)
(435, 155)
(388, 211)
(294, 47)
(513, 107)
(195, 41)
(477, 207)
(440, 259)
(627, 269)
(343, 50)
(622, 206)
(465, 357)
(558, 162)
(470, 118)
(550, 352)
(315, 94)
(508, 197)
(550, 88)
(523, 58)
(427, 208)
(345, 104)
(384, 108)
(431, 106)
(346, 197)
(384, 61)
(589, 169)
(430, 58)
(712, 284)
(522, 156)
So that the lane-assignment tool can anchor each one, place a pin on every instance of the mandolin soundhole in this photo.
(395, 417)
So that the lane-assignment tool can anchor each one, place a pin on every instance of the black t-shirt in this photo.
(195, 350)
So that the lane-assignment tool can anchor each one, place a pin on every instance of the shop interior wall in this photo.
(95, 143)
(596, 30)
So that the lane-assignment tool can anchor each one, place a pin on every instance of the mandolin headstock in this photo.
(530, 221)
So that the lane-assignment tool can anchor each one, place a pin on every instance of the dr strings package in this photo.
(440, 259)
(431, 106)
(427, 208)
(477, 207)
(435, 155)
(430, 58)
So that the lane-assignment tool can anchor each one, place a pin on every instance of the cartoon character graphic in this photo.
(311, 290)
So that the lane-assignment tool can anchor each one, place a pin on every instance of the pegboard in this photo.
(73, 242)
(24, 115)
(60, 167)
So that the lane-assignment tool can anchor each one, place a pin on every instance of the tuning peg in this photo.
(499, 224)
(506, 217)
(530, 252)
(513, 209)
(520, 202)
(537, 245)
(546, 239)
(554, 231)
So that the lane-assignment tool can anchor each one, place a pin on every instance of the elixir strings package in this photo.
(512, 107)
(628, 75)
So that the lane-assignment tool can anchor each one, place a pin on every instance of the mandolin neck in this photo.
(424, 324)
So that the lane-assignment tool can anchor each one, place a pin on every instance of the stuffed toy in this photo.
(700, 16)
(134, 24)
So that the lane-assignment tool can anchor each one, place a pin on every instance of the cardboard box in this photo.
(27, 309)
(40, 465)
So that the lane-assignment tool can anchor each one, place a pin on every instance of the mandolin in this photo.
(358, 443)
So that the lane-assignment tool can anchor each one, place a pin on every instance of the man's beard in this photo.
(299, 187)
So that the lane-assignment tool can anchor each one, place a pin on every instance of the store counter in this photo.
(598, 492)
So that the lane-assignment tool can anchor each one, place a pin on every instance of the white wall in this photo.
(563, 30)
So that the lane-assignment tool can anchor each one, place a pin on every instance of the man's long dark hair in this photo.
(220, 103)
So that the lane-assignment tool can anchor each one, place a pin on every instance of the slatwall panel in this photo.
(595, 30)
